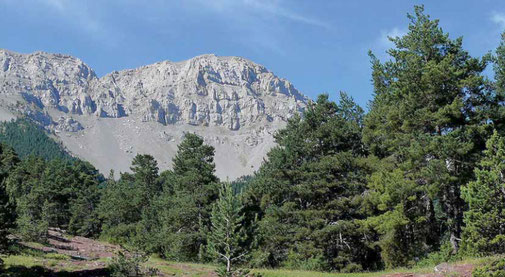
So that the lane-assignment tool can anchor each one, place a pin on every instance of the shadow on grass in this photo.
(22, 271)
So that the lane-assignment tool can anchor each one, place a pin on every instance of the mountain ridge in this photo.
(230, 101)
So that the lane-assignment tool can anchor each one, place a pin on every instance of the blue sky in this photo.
(319, 45)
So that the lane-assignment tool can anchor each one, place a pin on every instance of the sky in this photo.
(321, 46)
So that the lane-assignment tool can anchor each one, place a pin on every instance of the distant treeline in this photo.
(417, 179)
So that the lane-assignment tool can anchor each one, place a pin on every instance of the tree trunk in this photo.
(455, 214)
(228, 265)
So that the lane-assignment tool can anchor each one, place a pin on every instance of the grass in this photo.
(301, 273)
(27, 261)
(49, 259)
(192, 269)
(25, 257)
(21, 260)
(480, 260)
(180, 269)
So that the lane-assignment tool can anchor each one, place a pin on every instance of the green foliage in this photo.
(300, 262)
(145, 173)
(130, 265)
(167, 213)
(240, 272)
(499, 86)
(29, 139)
(194, 188)
(48, 182)
(428, 122)
(494, 269)
(484, 232)
(240, 185)
(445, 254)
(127, 208)
(119, 209)
(54, 193)
(227, 236)
(83, 206)
(310, 190)
(8, 160)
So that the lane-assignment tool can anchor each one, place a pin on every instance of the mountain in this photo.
(235, 104)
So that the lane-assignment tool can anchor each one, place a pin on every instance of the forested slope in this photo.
(28, 138)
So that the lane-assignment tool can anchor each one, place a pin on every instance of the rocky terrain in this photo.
(235, 104)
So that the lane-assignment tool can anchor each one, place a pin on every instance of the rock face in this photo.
(230, 101)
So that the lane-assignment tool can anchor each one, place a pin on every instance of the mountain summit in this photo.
(233, 103)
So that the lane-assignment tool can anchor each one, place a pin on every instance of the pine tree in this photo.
(53, 193)
(428, 123)
(498, 111)
(119, 209)
(484, 232)
(23, 186)
(227, 234)
(6, 217)
(29, 139)
(309, 192)
(188, 200)
(145, 172)
(85, 199)
(8, 160)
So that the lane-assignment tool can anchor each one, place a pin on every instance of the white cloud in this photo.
(261, 8)
(499, 18)
(261, 20)
(276, 8)
(384, 42)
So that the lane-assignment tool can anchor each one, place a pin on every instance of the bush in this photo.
(300, 262)
(130, 266)
(240, 272)
(494, 269)
(442, 256)
(352, 268)
(221, 272)
(32, 230)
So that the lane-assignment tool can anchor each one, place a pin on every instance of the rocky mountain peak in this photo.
(228, 93)
(206, 90)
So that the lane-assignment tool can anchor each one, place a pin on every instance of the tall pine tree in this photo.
(310, 192)
(484, 232)
(428, 122)
(187, 202)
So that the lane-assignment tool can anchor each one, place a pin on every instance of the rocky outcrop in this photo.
(204, 91)
(234, 104)
(48, 80)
